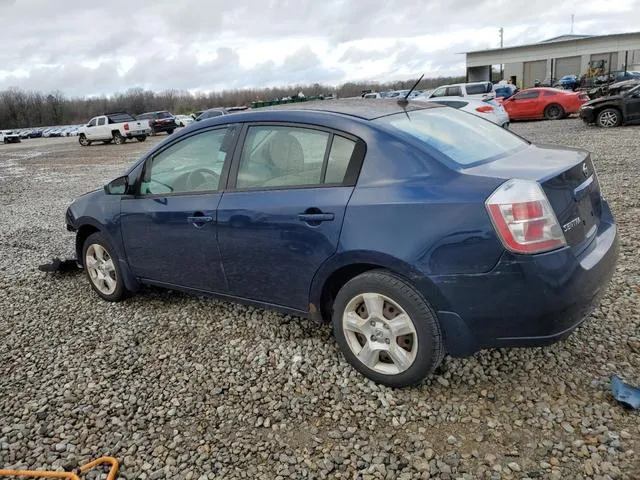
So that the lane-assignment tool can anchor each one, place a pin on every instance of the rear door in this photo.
(281, 216)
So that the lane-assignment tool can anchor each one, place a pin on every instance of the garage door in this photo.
(567, 66)
(611, 60)
(534, 71)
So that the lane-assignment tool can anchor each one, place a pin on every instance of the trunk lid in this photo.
(569, 180)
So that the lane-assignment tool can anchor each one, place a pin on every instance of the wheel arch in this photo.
(341, 268)
(87, 228)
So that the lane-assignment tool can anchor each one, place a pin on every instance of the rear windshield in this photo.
(462, 137)
(119, 117)
(163, 115)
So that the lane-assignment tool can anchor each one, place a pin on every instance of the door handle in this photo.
(199, 220)
(316, 217)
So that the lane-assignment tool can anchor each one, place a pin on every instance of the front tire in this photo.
(118, 139)
(609, 118)
(553, 112)
(141, 138)
(386, 329)
(82, 140)
(103, 269)
(170, 131)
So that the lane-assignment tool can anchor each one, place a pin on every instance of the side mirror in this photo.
(118, 186)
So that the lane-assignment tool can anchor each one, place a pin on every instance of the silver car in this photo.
(487, 109)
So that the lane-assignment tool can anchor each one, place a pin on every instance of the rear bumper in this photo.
(164, 127)
(528, 300)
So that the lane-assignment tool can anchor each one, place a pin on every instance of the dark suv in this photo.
(161, 121)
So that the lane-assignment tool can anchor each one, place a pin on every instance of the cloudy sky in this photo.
(85, 47)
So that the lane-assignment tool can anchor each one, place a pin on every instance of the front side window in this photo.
(527, 95)
(92, 123)
(279, 156)
(464, 139)
(193, 164)
(439, 92)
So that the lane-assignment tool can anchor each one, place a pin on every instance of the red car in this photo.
(549, 103)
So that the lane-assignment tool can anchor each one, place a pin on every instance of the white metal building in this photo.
(553, 58)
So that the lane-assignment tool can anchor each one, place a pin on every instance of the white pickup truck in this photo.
(8, 136)
(113, 127)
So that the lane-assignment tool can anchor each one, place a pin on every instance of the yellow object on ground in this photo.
(113, 471)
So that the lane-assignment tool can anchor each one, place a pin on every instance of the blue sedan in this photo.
(417, 230)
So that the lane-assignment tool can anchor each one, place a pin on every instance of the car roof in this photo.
(367, 109)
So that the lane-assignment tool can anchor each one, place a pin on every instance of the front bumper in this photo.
(588, 115)
(528, 300)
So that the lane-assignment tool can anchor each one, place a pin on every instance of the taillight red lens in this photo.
(523, 218)
(126, 126)
(484, 109)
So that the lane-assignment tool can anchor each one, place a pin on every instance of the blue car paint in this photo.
(436, 234)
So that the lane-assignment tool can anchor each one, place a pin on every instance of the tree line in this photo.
(20, 108)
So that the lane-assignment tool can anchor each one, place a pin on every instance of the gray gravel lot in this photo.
(183, 387)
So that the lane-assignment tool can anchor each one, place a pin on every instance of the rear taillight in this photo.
(126, 126)
(523, 217)
(484, 109)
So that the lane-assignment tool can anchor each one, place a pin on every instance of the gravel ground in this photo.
(181, 387)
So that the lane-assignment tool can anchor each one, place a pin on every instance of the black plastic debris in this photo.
(624, 393)
(61, 266)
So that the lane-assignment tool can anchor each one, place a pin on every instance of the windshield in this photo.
(462, 137)
(633, 90)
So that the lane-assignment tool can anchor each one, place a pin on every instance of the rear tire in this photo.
(82, 140)
(553, 112)
(609, 118)
(141, 138)
(118, 139)
(386, 329)
(103, 269)
(170, 131)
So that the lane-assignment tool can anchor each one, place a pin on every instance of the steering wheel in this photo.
(202, 179)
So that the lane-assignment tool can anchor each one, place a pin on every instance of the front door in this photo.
(169, 229)
(524, 105)
(633, 106)
(92, 129)
(283, 218)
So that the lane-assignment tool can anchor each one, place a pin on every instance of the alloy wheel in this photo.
(608, 119)
(102, 271)
(380, 333)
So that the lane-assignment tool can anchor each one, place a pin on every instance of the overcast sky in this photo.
(85, 47)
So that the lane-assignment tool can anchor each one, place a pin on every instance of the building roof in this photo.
(560, 39)
(563, 38)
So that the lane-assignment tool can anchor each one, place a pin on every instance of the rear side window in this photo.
(102, 121)
(291, 157)
(278, 156)
(339, 157)
(476, 89)
(465, 139)
(550, 93)
(454, 92)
